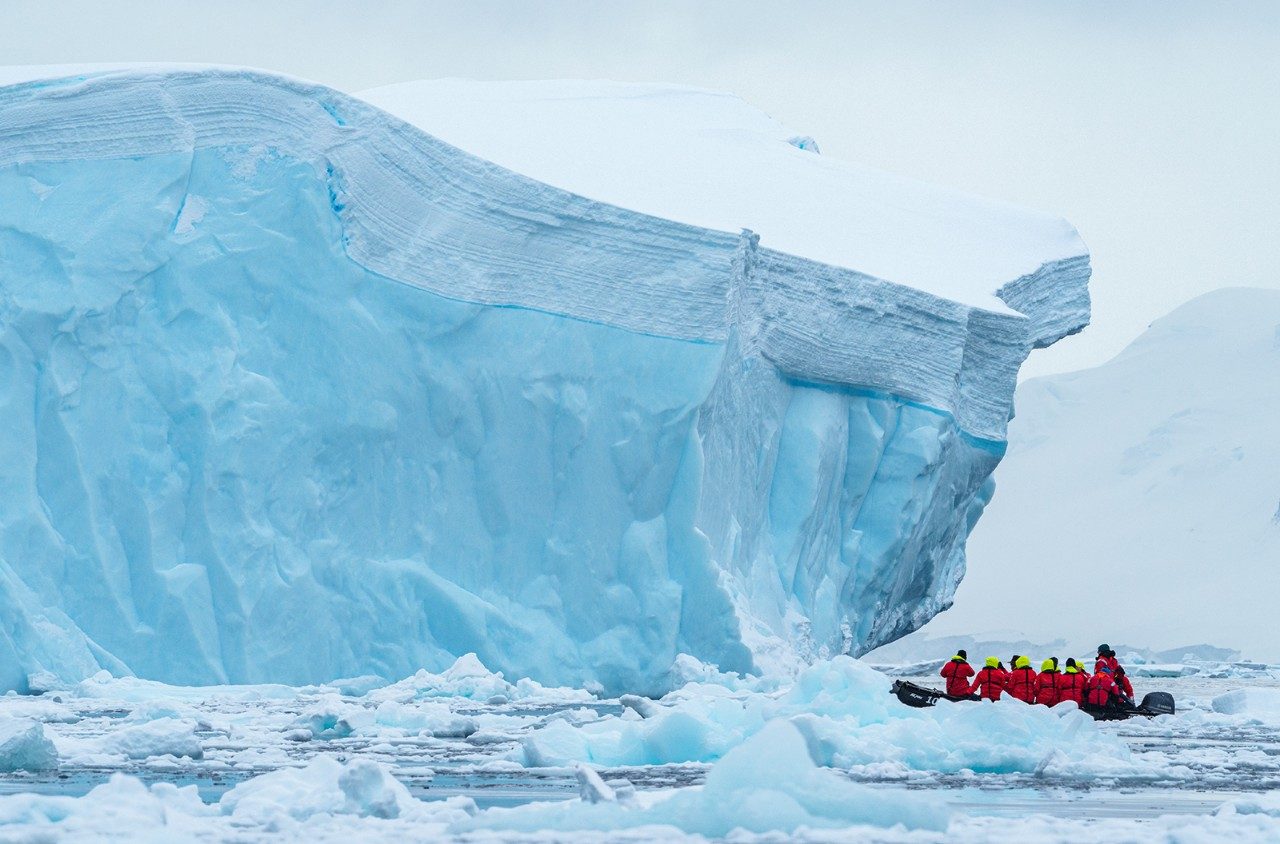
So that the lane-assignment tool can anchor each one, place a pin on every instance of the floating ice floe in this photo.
(1262, 704)
(24, 746)
(769, 783)
(849, 720)
(468, 678)
(794, 761)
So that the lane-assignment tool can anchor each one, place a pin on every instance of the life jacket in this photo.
(1071, 686)
(1106, 662)
(957, 671)
(1126, 688)
(1022, 684)
(1047, 690)
(990, 682)
(1099, 689)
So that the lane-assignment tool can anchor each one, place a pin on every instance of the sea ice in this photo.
(768, 783)
(1263, 704)
(778, 762)
(24, 746)
(850, 720)
(324, 786)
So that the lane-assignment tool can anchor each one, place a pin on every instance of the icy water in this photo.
(1205, 764)
(1200, 762)
(467, 756)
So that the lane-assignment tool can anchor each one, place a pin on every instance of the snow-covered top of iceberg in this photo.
(709, 159)
(857, 279)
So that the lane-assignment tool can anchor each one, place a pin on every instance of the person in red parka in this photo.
(958, 671)
(1106, 659)
(1071, 683)
(1023, 681)
(1047, 687)
(1101, 689)
(1123, 684)
(990, 680)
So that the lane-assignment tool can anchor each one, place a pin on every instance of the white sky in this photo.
(1153, 126)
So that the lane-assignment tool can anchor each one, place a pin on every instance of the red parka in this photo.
(990, 682)
(1022, 684)
(1099, 690)
(957, 671)
(1047, 691)
(1071, 686)
(1126, 688)
(1106, 662)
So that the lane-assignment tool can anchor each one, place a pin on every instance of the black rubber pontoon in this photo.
(1155, 703)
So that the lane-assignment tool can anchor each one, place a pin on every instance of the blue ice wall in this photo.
(841, 512)
(231, 453)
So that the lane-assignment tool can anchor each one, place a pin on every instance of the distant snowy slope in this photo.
(1140, 501)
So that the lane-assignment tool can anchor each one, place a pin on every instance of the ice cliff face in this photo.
(294, 390)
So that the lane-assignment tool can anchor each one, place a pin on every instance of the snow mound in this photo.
(297, 391)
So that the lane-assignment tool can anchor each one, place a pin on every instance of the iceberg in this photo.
(24, 746)
(298, 390)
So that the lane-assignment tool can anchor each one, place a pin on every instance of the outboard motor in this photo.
(1157, 703)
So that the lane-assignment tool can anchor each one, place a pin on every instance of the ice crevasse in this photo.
(295, 389)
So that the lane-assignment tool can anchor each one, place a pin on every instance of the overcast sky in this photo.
(1154, 127)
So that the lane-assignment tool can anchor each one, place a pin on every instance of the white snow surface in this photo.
(1148, 487)
(298, 391)
(709, 159)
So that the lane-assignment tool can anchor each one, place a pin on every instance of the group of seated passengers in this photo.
(1106, 686)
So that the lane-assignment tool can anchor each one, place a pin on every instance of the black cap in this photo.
(1104, 649)
(962, 653)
